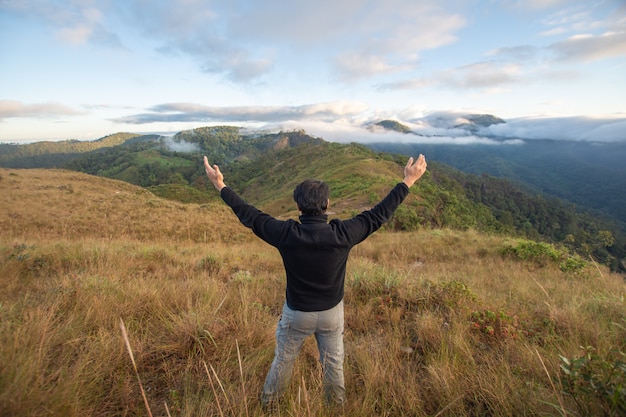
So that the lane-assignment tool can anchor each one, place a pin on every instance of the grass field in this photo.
(438, 322)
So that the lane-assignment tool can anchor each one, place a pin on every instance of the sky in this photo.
(84, 69)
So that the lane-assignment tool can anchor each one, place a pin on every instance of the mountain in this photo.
(265, 168)
(469, 122)
(591, 175)
(56, 154)
(475, 121)
(394, 125)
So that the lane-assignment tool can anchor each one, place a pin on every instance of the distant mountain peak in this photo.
(476, 121)
(393, 125)
(485, 119)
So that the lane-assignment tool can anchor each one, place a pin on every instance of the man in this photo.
(314, 253)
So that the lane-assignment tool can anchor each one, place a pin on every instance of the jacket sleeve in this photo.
(364, 224)
(262, 224)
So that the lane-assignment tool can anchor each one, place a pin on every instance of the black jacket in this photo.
(315, 251)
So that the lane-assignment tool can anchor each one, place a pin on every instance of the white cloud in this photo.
(567, 17)
(354, 66)
(488, 76)
(554, 31)
(480, 75)
(180, 146)
(359, 38)
(407, 84)
(441, 128)
(16, 109)
(539, 4)
(342, 132)
(563, 128)
(586, 17)
(607, 132)
(391, 39)
(521, 52)
(191, 112)
(353, 122)
(590, 47)
(74, 23)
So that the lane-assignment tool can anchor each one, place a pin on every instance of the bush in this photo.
(597, 384)
(542, 254)
(405, 219)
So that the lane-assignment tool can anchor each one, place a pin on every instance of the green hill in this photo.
(393, 125)
(265, 168)
(56, 154)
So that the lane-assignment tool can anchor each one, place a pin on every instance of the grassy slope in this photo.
(197, 292)
(357, 177)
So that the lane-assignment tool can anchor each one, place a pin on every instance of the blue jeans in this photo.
(294, 326)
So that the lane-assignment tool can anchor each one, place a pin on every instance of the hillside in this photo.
(56, 154)
(266, 167)
(61, 204)
(591, 175)
(438, 321)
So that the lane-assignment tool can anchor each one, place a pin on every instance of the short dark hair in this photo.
(311, 196)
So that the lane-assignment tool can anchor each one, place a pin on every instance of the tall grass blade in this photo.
(443, 410)
(222, 388)
(132, 359)
(243, 385)
(556, 393)
(306, 397)
(596, 265)
(217, 400)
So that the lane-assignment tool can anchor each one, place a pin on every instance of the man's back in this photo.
(314, 251)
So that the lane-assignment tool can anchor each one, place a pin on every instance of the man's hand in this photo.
(414, 171)
(214, 174)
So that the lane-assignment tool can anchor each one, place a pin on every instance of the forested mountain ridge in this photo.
(264, 168)
(589, 174)
(49, 154)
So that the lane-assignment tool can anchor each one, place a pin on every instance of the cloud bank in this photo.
(190, 112)
(354, 122)
(347, 121)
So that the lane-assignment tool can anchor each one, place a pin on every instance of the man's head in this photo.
(311, 196)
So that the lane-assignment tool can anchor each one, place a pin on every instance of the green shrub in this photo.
(573, 263)
(597, 383)
(539, 253)
(405, 219)
(542, 254)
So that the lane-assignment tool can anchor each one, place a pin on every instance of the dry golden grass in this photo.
(200, 297)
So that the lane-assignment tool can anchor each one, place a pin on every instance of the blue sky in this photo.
(81, 69)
